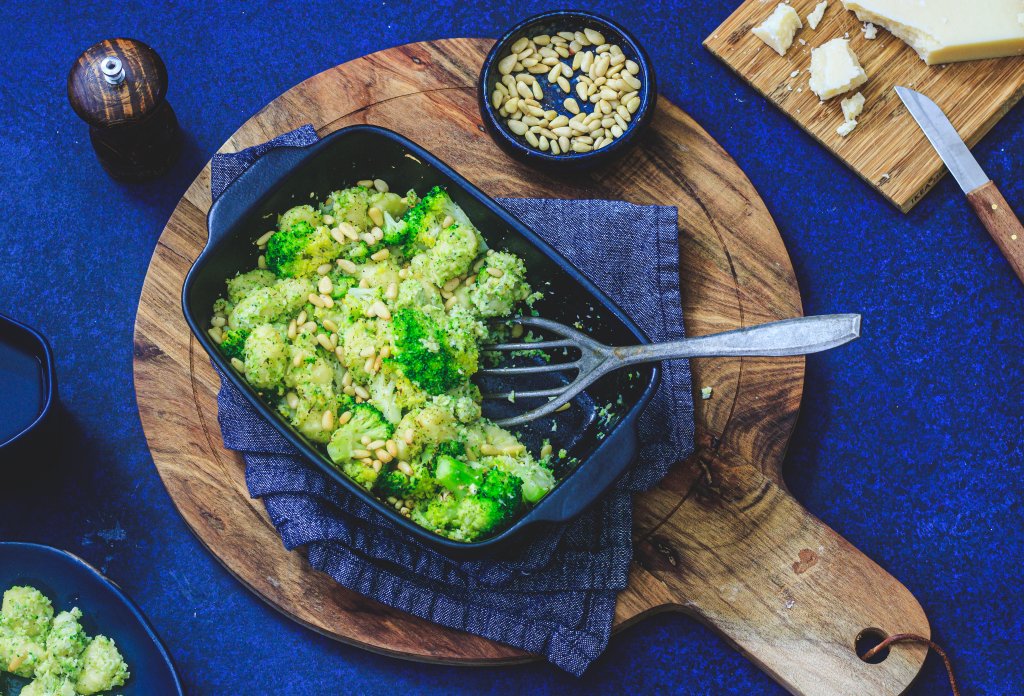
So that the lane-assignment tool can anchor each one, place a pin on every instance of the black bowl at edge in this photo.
(551, 23)
(28, 360)
(287, 176)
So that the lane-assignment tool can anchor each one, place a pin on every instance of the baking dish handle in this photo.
(259, 180)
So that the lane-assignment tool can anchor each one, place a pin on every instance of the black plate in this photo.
(603, 440)
(68, 581)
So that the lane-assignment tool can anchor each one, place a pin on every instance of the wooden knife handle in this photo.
(1001, 222)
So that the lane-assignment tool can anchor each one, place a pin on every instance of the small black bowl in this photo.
(551, 23)
(28, 386)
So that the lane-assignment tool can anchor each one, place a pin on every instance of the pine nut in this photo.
(308, 327)
(365, 183)
(325, 285)
(327, 420)
(520, 45)
(264, 238)
(324, 341)
(344, 418)
(361, 454)
(315, 300)
(632, 68)
(381, 185)
(517, 127)
(563, 84)
(571, 106)
(392, 291)
(292, 399)
(380, 255)
(238, 364)
(361, 392)
(216, 334)
(218, 321)
(292, 330)
(594, 36)
(376, 215)
(347, 266)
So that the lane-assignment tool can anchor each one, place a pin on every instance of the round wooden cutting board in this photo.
(720, 538)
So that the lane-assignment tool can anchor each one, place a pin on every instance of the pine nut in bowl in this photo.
(566, 90)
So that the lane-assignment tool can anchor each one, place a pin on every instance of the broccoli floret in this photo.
(64, 645)
(265, 355)
(341, 283)
(350, 205)
(454, 475)
(300, 213)
(465, 334)
(414, 292)
(504, 487)
(244, 283)
(426, 219)
(451, 256)
(396, 232)
(537, 479)
(233, 344)
(500, 284)
(430, 425)
(462, 519)
(366, 421)
(419, 484)
(422, 353)
(300, 249)
(452, 448)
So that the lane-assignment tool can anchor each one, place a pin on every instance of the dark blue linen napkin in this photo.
(556, 596)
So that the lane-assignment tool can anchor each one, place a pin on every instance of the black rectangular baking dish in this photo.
(600, 432)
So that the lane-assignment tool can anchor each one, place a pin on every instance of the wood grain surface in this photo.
(887, 149)
(720, 539)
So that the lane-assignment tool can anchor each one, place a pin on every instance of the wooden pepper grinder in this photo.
(118, 87)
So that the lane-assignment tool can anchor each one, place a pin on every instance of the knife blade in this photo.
(993, 210)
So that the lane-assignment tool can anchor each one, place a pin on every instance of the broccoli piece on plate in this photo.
(265, 356)
(536, 479)
(366, 422)
(454, 475)
(300, 213)
(462, 519)
(103, 667)
(428, 218)
(452, 448)
(233, 344)
(244, 283)
(505, 488)
(500, 284)
(418, 484)
(300, 249)
(421, 351)
(451, 256)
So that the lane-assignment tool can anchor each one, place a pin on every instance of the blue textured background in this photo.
(909, 443)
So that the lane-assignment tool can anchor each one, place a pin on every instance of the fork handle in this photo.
(800, 336)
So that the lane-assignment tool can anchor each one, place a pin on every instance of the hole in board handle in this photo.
(867, 639)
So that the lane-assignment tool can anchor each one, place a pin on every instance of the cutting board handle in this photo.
(742, 555)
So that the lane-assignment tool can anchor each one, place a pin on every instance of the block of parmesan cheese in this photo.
(778, 30)
(835, 69)
(947, 31)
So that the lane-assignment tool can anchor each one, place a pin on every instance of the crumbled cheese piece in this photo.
(835, 69)
(870, 31)
(778, 30)
(852, 108)
(814, 18)
(705, 393)
(847, 128)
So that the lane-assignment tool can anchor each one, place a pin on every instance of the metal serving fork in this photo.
(801, 336)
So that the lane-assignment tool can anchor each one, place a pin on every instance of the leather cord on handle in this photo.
(914, 638)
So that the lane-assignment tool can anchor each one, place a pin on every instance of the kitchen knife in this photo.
(996, 215)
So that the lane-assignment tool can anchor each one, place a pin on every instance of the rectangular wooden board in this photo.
(887, 149)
